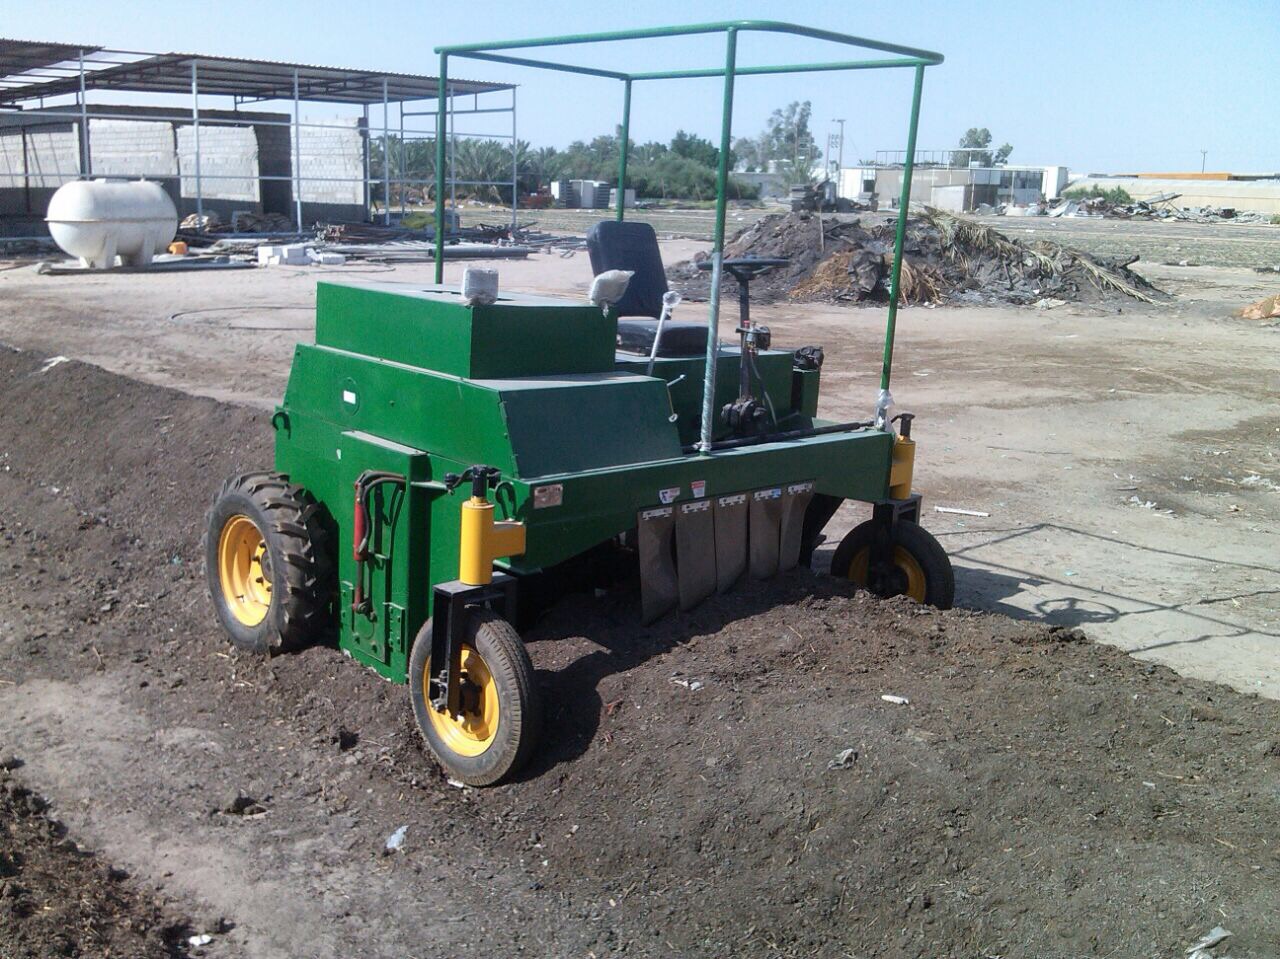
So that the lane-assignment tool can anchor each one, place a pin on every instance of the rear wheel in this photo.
(497, 726)
(267, 563)
(919, 567)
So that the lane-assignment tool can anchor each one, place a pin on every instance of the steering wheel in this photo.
(747, 268)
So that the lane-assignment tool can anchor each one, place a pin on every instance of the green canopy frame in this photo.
(902, 57)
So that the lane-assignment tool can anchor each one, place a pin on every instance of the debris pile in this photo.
(946, 259)
(1158, 207)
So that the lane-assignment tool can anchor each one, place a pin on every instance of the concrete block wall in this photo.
(154, 142)
(228, 163)
(53, 155)
(132, 148)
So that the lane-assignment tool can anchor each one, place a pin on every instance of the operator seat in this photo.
(615, 245)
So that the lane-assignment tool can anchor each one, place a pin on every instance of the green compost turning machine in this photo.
(444, 464)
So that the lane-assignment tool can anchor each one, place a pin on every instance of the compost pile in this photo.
(726, 782)
(946, 259)
(57, 900)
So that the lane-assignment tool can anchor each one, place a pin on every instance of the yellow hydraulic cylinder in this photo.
(483, 540)
(903, 463)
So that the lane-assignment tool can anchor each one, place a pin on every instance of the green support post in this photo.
(717, 244)
(441, 128)
(904, 202)
(622, 147)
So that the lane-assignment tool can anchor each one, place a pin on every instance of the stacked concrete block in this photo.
(133, 148)
(228, 163)
(332, 162)
(53, 155)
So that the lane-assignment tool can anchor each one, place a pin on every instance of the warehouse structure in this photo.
(203, 127)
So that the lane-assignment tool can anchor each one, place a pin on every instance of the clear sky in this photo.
(1098, 86)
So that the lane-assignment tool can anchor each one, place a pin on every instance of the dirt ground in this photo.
(1063, 424)
(1039, 796)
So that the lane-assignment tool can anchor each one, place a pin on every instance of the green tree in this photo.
(975, 148)
(693, 147)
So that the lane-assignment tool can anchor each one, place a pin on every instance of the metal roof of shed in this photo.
(233, 76)
(21, 59)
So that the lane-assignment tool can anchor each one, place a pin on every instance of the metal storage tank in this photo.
(99, 220)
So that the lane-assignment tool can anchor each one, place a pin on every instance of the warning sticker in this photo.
(699, 488)
(669, 495)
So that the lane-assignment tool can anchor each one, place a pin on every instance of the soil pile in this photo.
(946, 259)
(724, 782)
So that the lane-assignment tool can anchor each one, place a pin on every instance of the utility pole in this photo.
(1203, 154)
(840, 159)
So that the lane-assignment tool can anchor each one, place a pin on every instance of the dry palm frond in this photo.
(1105, 279)
(830, 278)
(958, 234)
(918, 284)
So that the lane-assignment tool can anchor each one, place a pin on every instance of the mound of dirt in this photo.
(57, 901)
(725, 782)
(946, 259)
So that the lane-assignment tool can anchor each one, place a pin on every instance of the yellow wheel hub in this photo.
(903, 560)
(246, 585)
(472, 731)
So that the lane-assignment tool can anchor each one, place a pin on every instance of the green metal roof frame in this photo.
(903, 57)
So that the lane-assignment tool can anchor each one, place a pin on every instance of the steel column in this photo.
(440, 132)
(386, 160)
(515, 163)
(622, 147)
(400, 165)
(86, 158)
(717, 246)
(195, 131)
(368, 196)
(297, 156)
(904, 203)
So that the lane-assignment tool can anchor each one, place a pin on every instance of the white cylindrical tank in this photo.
(99, 220)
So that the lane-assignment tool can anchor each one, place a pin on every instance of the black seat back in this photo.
(630, 246)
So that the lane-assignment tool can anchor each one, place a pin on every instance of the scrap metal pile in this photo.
(946, 259)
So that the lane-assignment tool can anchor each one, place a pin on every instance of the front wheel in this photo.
(919, 567)
(497, 726)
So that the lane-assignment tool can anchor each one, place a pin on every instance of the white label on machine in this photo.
(669, 495)
(658, 513)
(551, 495)
(696, 506)
(699, 488)
(795, 488)
(775, 493)
(737, 499)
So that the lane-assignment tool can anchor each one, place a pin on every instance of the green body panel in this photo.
(604, 437)
(431, 327)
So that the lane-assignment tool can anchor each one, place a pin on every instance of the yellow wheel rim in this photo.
(473, 730)
(901, 559)
(246, 583)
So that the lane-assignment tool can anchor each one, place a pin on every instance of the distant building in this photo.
(956, 188)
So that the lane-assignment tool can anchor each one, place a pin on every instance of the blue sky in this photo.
(1098, 86)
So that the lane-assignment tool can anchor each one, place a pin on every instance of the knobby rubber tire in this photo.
(519, 706)
(303, 580)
